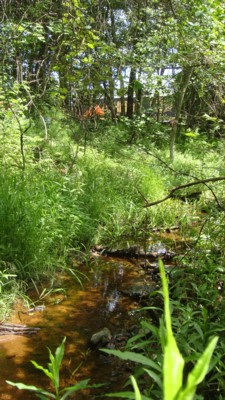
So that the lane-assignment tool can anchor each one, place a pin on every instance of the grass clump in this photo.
(34, 224)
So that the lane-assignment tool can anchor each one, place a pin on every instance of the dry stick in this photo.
(17, 329)
(203, 181)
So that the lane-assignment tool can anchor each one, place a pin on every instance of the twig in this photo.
(17, 329)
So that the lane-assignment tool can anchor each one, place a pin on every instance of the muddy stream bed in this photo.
(77, 313)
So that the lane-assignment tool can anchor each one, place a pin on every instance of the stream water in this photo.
(77, 313)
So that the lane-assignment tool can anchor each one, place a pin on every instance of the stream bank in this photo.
(113, 289)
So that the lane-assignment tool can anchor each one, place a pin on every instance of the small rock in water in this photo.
(102, 337)
(139, 290)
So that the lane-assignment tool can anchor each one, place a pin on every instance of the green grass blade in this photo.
(155, 377)
(136, 388)
(173, 364)
(125, 395)
(122, 395)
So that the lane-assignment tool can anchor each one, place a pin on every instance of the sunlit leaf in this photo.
(22, 386)
(173, 363)
(45, 370)
(199, 372)
(136, 388)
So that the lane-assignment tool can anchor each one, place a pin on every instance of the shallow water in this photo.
(81, 313)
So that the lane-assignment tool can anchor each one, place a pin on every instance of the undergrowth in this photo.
(77, 189)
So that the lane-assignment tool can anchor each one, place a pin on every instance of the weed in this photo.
(53, 373)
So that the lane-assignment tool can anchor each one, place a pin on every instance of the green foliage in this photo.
(198, 314)
(36, 223)
(68, 183)
(173, 361)
(197, 309)
(9, 290)
(53, 373)
(174, 387)
(111, 191)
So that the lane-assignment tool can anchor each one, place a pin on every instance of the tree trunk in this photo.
(179, 99)
(109, 98)
(122, 91)
(130, 94)
(182, 87)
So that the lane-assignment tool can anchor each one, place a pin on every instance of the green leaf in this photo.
(138, 358)
(68, 390)
(125, 395)
(154, 376)
(173, 363)
(199, 330)
(138, 85)
(79, 386)
(172, 370)
(122, 395)
(45, 370)
(199, 372)
(55, 364)
(22, 386)
(136, 388)
(191, 134)
(91, 45)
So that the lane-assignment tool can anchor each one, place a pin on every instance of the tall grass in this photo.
(36, 223)
(43, 214)
(113, 193)
(70, 197)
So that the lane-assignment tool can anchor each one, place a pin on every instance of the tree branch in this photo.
(203, 181)
(184, 174)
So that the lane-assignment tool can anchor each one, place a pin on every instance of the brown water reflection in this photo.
(82, 312)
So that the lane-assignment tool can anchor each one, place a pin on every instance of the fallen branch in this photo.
(186, 185)
(17, 329)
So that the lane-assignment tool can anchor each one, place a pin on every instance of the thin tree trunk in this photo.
(130, 94)
(179, 99)
(122, 91)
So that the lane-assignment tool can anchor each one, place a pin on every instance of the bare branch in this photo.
(186, 185)
(184, 174)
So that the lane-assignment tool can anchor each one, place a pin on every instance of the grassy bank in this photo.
(76, 189)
